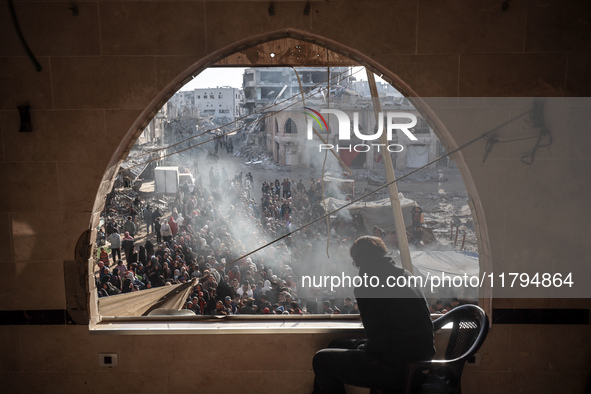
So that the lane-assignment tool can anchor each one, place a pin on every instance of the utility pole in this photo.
(390, 178)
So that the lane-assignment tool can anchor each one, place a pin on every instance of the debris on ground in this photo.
(254, 155)
(424, 175)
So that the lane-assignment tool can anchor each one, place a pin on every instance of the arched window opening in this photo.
(196, 196)
(290, 127)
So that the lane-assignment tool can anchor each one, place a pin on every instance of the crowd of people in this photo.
(204, 232)
(440, 307)
(202, 235)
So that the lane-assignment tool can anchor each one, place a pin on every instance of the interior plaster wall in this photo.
(115, 60)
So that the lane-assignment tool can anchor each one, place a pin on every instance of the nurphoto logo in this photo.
(344, 124)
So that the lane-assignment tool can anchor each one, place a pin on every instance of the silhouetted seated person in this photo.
(397, 325)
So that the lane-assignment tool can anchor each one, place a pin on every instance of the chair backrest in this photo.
(470, 327)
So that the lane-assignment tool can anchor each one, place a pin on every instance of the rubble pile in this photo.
(440, 207)
(181, 129)
(119, 201)
(195, 131)
(444, 211)
(424, 175)
(255, 155)
(373, 178)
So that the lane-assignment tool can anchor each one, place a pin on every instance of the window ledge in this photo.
(183, 325)
(143, 327)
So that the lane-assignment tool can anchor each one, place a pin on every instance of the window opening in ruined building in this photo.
(422, 127)
(200, 191)
(290, 127)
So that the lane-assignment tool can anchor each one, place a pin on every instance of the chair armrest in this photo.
(410, 370)
(414, 366)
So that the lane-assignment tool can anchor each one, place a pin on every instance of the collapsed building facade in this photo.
(263, 86)
(275, 96)
(285, 135)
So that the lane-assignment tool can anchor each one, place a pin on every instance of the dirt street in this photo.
(439, 192)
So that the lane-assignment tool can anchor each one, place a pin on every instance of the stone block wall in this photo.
(106, 69)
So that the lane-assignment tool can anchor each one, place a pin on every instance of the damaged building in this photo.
(222, 103)
(273, 98)
(285, 132)
(263, 86)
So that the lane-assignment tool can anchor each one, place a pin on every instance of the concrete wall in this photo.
(106, 69)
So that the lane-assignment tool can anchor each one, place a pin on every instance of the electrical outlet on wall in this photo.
(474, 360)
(108, 359)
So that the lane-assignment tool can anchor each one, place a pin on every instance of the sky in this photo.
(217, 76)
(232, 76)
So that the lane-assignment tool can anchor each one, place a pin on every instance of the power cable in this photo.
(212, 139)
(538, 122)
(21, 37)
(482, 136)
(239, 119)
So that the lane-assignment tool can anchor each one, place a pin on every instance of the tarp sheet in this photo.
(328, 178)
(449, 262)
(140, 303)
(338, 187)
(375, 213)
(417, 156)
(348, 156)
